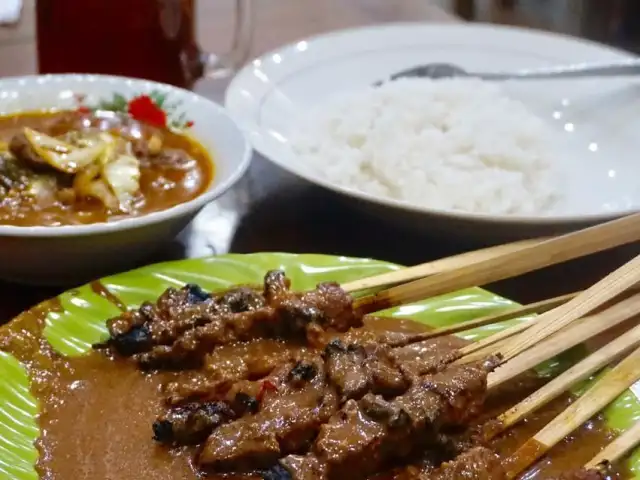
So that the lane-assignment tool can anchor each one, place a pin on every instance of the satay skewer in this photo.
(617, 449)
(494, 343)
(409, 274)
(517, 312)
(610, 287)
(576, 333)
(533, 257)
(614, 383)
(571, 336)
(563, 382)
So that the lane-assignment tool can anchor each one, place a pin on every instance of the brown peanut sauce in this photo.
(97, 412)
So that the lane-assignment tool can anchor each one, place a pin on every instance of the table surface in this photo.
(269, 209)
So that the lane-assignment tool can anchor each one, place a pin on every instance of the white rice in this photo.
(455, 144)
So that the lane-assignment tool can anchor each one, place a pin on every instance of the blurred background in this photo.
(614, 22)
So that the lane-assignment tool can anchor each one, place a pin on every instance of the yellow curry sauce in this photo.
(180, 172)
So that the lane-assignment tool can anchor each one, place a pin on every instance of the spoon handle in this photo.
(626, 67)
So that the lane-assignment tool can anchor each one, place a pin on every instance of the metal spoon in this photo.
(447, 70)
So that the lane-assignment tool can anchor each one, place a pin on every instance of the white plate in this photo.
(597, 117)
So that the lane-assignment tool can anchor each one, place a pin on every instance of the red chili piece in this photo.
(143, 108)
(267, 386)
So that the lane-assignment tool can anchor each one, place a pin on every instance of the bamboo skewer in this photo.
(438, 266)
(595, 296)
(477, 350)
(566, 380)
(487, 345)
(488, 265)
(618, 448)
(595, 399)
(520, 311)
(495, 343)
(482, 346)
(537, 307)
(569, 337)
(558, 314)
(529, 258)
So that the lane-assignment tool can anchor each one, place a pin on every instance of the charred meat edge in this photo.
(351, 371)
(186, 324)
(366, 434)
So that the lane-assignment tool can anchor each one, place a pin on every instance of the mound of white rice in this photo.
(454, 144)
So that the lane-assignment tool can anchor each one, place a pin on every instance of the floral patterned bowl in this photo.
(76, 253)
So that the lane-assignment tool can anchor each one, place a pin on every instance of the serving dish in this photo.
(594, 116)
(76, 253)
(76, 319)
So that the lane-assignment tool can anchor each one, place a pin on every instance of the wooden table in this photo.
(270, 210)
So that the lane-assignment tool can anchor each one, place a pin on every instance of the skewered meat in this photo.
(581, 474)
(250, 360)
(175, 311)
(256, 422)
(255, 359)
(351, 372)
(183, 326)
(364, 435)
(311, 386)
(420, 358)
(193, 422)
(284, 383)
(478, 463)
(356, 369)
(291, 412)
(190, 424)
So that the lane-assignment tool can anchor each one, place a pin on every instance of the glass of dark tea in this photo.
(150, 39)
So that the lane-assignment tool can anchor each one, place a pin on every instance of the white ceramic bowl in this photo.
(596, 117)
(73, 254)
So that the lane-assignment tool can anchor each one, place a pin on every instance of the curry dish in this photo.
(76, 167)
(274, 384)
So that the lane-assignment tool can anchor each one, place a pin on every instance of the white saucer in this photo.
(598, 117)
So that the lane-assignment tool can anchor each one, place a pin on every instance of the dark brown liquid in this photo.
(152, 39)
(186, 184)
(119, 431)
(97, 414)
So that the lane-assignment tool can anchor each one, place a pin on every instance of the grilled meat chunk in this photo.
(356, 369)
(250, 360)
(581, 474)
(476, 464)
(291, 412)
(243, 299)
(190, 424)
(185, 325)
(366, 434)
